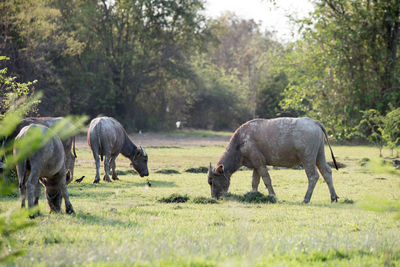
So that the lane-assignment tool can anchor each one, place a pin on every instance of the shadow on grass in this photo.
(155, 183)
(128, 172)
(91, 219)
(332, 205)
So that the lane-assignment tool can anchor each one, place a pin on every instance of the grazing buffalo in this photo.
(47, 166)
(68, 143)
(281, 142)
(106, 137)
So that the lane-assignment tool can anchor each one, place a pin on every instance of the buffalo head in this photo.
(139, 162)
(218, 181)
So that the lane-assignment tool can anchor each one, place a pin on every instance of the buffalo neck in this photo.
(231, 159)
(129, 148)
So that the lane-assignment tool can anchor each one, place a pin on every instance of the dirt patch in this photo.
(165, 140)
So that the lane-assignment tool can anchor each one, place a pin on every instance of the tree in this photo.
(33, 37)
(391, 129)
(243, 50)
(219, 98)
(133, 50)
(371, 127)
(345, 63)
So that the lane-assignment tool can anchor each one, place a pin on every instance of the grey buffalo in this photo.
(68, 143)
(47, 166)
(281, 142)
(106, 137)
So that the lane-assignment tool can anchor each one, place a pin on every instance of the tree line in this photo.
(150, 63)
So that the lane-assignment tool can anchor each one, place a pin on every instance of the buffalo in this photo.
(47, 166)
(281, 142)
(106, 137)
(68, 143)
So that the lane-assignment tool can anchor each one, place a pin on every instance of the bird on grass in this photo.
(80, 179)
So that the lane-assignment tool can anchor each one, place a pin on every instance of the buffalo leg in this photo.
(22, 192)
(68, 206)
(70, 164)
(327, 174)
(37, 194)
(267, 179)
(97, 161)
(312, 175)
(106, 168)
(114, 174)
(256, 180)
(31, 184)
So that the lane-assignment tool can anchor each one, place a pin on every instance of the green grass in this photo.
(122, 223)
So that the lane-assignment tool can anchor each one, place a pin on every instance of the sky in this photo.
(272, 17)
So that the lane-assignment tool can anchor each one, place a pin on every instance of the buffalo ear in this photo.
(138, 152)
(220, 169)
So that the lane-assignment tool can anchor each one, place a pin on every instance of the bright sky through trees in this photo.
(273, 17)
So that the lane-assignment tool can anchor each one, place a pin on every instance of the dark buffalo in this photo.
(106, 137)
(68, 143)
(47, 166)
(282, 142)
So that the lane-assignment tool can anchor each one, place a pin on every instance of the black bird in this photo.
(80, 179)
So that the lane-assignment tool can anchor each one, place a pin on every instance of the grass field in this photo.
(123, 223)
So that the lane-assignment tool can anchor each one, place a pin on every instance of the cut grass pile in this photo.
(197, 170)
(174, 198)
(177, 198)
(250, 197)
(204, 200)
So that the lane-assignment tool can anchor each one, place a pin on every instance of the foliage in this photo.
(371, 127)
(152, 62)
(247, 52)
(345, 63)
(13, 92)
(220, 98)
(12, 221)
(391, 129)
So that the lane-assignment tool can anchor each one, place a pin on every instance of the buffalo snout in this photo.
(145, 173)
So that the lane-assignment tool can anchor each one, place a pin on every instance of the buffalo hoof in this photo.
(306, 201)
(96, 181)
(107, 179)
(33, 215)
(334, 199)
(70, 211)
(115, 178)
